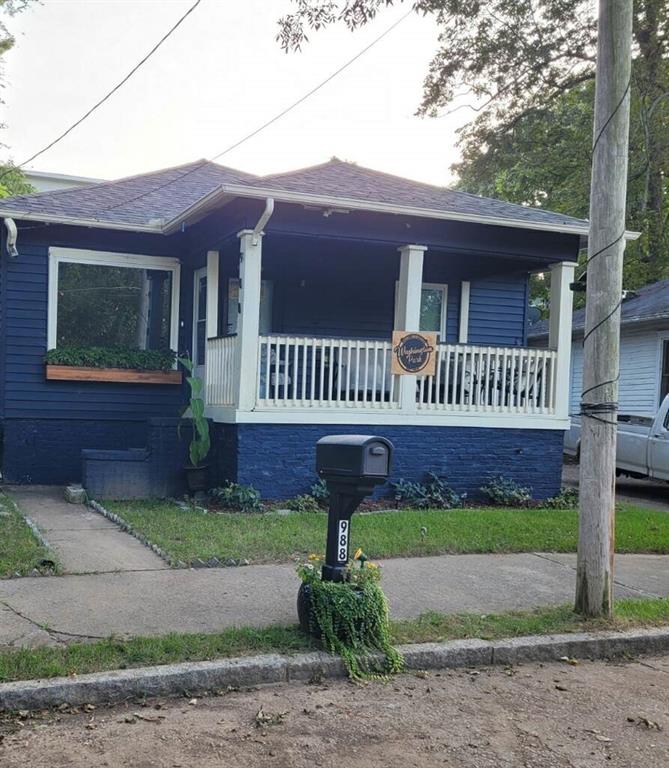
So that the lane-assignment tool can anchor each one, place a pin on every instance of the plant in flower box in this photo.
(349, 617)
(197, 471)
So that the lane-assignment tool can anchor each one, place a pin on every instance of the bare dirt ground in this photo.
(533, 716)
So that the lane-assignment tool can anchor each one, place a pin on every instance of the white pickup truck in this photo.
(643, 444)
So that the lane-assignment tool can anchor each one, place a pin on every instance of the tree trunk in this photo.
(594, 577)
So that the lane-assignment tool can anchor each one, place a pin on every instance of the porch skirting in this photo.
(278, 459)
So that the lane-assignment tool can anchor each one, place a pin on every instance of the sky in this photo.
(217, 78)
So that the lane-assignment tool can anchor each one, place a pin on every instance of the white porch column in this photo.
(408, 310)
(248, 323)
(559, 331)
(212, 294)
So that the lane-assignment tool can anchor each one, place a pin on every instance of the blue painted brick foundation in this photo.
(49, 450)
(278, 459)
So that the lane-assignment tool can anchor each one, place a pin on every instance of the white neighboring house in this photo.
(644, 350)
(43, 181)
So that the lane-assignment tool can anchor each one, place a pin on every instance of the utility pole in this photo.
(606, 243)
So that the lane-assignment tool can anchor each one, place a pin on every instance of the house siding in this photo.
(47, 423)
(279, 460)
(639, 373)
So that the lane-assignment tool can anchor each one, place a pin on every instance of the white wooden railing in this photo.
(220, 370)
(326, 373)
(296, 371)
(490, 379)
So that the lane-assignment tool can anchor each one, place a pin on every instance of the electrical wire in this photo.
(269, 122)
(107, 96)
(592, 410)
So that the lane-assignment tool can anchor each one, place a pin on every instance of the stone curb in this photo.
(197, 677)
(125, 526)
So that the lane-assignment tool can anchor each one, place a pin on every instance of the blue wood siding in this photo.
(497, 310)
(27, 393)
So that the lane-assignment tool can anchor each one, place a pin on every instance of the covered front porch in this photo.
(298, 329)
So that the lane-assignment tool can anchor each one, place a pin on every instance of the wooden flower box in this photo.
(119, 375)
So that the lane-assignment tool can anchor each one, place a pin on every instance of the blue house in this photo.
(285, 290)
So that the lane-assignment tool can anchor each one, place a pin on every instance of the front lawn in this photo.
(187, 535)
(20, 552)
(80, 658)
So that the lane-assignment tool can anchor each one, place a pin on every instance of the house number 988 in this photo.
(342, 551)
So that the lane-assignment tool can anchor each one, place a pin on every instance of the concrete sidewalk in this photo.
(162, 601)
(113, 585)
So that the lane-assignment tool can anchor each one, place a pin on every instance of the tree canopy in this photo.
(12, 183)
(526, 68)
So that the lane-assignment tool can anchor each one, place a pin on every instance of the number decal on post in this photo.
(342, 549)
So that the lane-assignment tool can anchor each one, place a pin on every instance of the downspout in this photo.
(265, 217)
(12, 235)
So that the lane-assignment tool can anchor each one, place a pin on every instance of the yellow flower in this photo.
(358, 553)
(314, 557)
(372, 565)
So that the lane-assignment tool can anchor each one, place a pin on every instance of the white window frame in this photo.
(59, 256)
(443, 287)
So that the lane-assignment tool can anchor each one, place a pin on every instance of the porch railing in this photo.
(306, 372)
(220, 370)
(495, 379)
(303, 372)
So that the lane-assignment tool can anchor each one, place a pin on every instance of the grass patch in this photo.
(80, 658)
(187, 535)
(20, 551)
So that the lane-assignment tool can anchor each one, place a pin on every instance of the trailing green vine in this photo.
(351, 618)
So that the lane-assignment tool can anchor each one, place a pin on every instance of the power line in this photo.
(108, 95)
(272, 120)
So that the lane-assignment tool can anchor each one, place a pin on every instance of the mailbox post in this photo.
(352, 466)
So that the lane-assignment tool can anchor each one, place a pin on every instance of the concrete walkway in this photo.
(83, 540)
(115, 586)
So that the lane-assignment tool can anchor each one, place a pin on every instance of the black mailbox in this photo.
(357, 457)
(351, 465)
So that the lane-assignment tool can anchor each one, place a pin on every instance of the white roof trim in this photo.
(285, 196)
(75, 222)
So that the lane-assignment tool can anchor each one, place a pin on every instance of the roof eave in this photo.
(285, 196)
(78, 222)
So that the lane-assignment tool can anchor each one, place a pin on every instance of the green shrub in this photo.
(303, 503)
(505, 492)
(112, 357)
(434, 493)
(566, 499)
(320, 492)
(236, 497)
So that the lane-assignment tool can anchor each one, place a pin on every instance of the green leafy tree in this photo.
(14, 182)
(517, 62)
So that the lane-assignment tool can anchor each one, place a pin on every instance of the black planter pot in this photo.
(197, 478)
(305, 611)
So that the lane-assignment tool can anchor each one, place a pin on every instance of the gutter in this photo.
(326, 201)
(76, 222)
(284, 196)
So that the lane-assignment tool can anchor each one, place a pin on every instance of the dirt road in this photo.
(534, 716)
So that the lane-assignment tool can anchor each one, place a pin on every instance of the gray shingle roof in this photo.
(342, 179)
(641, 306)
(152, 199)
(137, 201)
